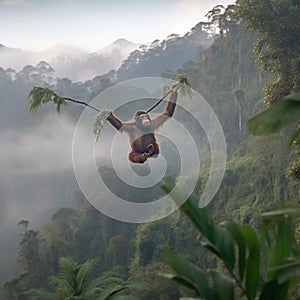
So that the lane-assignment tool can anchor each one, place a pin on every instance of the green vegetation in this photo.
(72, 283)
(259, 265)
(243, 251)
(39, 96)
(277, 117)
(277, 46)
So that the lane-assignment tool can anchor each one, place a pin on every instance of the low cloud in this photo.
(36, 179)
(44, 149)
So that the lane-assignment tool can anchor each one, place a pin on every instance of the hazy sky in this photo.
(93, 24)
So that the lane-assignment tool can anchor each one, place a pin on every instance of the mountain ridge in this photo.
(67, 60)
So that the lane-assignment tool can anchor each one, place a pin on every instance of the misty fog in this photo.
(67, 60)
(37, 175)
(36, 179)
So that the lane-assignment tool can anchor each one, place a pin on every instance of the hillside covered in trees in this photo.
(224, 70)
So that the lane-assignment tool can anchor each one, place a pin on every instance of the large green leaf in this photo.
(222, 246)
(223, 286)
(279, 232)
(282, 246)
(276, 117)
(286, 271)
(275, 291)
(253, 260)
(199, 217)
(238, 238)
(219, 240)
(194, 276)
(180, 280)
(185, 285)
(293, 97)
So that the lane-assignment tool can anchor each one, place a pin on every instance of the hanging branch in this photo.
(82, 102)
(157, 103)
(184, 84)
(42, 95)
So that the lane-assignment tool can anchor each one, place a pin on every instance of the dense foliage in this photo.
(263, 265)
(278, 44)
(227, 76)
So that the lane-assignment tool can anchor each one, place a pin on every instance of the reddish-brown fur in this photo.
(141, 138)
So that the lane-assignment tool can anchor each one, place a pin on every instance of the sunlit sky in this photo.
(93, 24)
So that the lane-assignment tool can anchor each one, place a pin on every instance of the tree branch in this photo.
(82, 102)
(161, 99)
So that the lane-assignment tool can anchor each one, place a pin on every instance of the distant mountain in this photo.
(122, 46)
(122, 60)
(166, 56)
(70, 62)
(129, 59)
(80, 66)
(16, 58)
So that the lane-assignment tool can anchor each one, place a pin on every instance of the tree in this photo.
(277, 50)
(262, 265)
(216, 17)
(278, 44)
(30, 260)
(72, 283)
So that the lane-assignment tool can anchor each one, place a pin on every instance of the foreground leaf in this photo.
(223, 286)
(278, 116)
(253, 260)
(194, 277)
(219, 240)
(239, 239)
(275, 118)
(275, 291)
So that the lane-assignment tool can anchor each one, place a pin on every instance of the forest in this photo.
(245, 243)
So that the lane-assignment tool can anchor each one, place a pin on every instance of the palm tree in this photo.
(71, 283)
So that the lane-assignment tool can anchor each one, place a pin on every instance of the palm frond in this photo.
(99, 122)
(185, 85)
(83, 272)
(43, 95)
(66, 277)
(38, 294)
